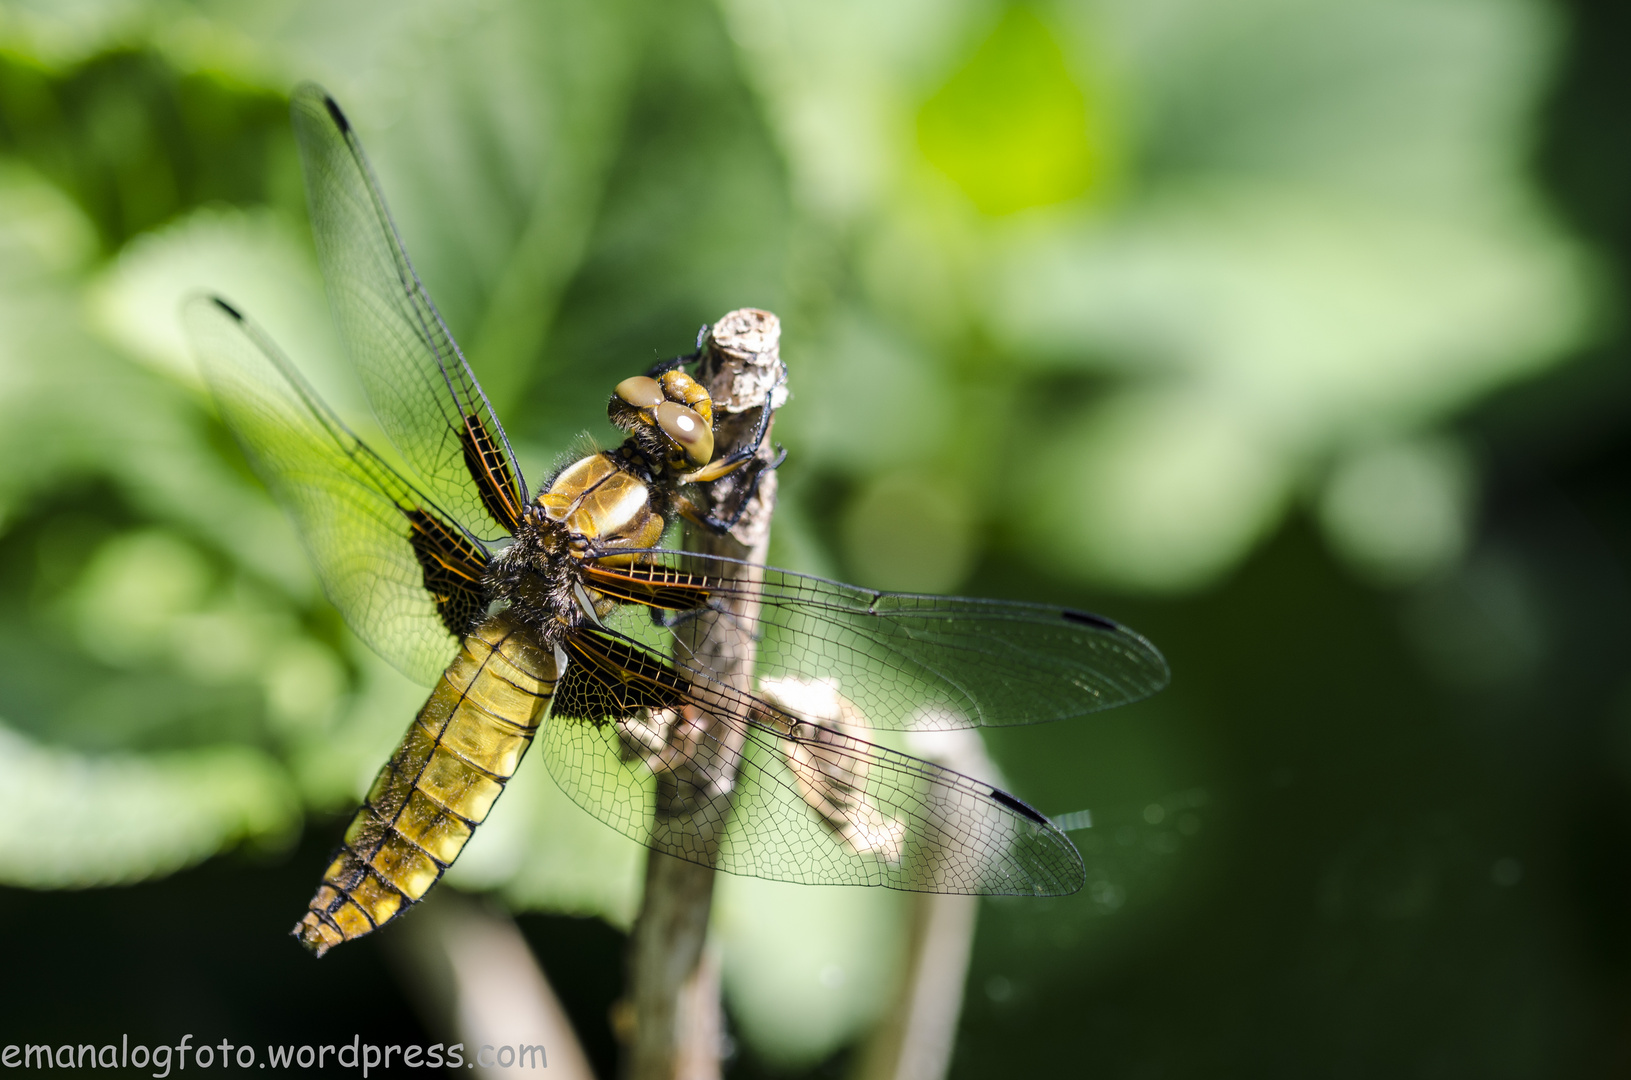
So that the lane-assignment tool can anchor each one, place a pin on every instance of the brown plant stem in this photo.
(916, 1037)
(673, 1025)
(915, 1040)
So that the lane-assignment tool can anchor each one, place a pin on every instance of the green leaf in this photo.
(1011, 127)
(75, 820)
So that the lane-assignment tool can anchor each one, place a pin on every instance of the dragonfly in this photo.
(557, 617)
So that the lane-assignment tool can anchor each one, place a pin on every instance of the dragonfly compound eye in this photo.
(641, 391)
(688, 431)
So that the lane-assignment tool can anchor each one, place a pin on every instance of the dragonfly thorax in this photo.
(602, 505)
(607, 506)
(595, 508)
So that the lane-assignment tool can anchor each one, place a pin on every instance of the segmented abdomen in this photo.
(438, 786)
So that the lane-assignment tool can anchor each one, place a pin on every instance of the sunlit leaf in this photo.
(1011, 126)
(77, 820)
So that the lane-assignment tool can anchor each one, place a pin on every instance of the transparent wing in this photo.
(761, 793)
(399, 573)
(907, 661)
(417, 381)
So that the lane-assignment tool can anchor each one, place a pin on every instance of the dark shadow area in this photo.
(207, 952)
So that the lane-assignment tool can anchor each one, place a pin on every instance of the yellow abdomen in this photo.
(438, 786)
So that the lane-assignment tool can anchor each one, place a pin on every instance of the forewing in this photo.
(405, 579)
(808, 804)
(907, 661)
(421, 389)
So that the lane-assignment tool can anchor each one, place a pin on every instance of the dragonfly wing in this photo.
(406, 580)
(417, 380)
(809, 803)
(905, 660)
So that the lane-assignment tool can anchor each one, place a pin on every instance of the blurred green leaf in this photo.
(807, 968)
(42, 233)
(76, 820)
(1011, 127)
(255, 260)
(1402, 511)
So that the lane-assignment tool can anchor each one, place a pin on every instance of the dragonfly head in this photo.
(671, 417)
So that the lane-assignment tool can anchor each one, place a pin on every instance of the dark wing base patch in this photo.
(651, 585)
(453, 569)
(607, 679)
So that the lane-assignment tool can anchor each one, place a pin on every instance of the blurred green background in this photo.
(1287, 331)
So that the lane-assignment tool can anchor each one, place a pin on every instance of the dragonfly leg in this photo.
(716, 524)
(742, 454)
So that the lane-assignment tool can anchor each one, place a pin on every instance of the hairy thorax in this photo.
(604, 507)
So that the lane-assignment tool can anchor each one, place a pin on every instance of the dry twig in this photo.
(673, 1027)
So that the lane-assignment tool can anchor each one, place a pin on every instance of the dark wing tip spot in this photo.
(1087, 618)
(1017, 807)
(339, 117)
(228, 308)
